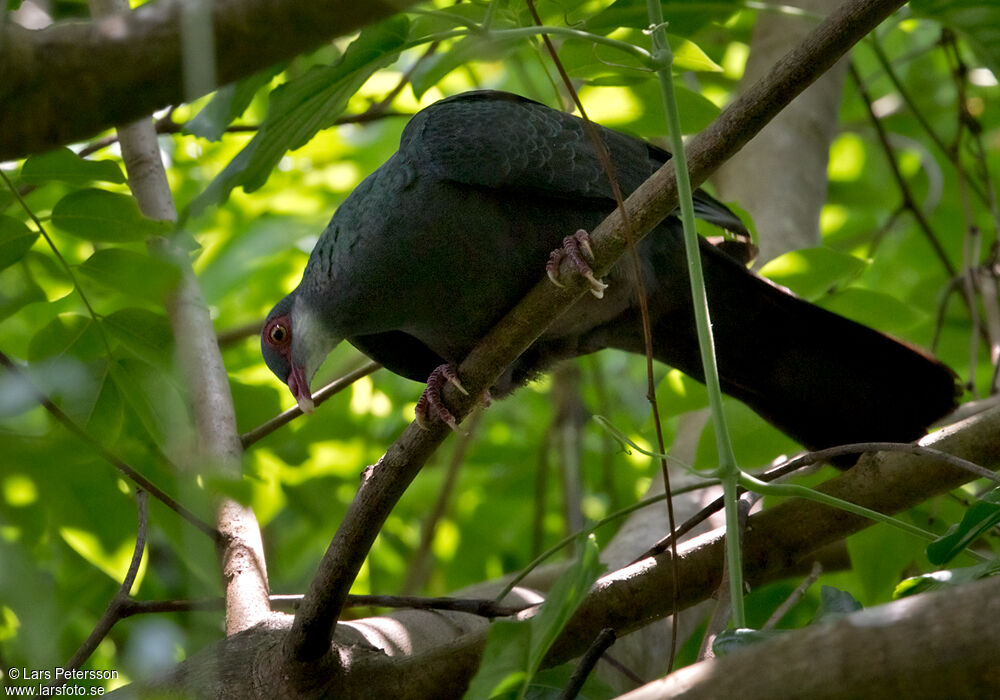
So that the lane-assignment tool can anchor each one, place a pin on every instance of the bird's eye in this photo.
(278, 334)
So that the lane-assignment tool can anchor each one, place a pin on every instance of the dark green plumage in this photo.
(438, 243)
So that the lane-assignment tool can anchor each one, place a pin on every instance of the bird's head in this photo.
(294, 344)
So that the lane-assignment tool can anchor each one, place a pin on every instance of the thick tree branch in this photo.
(646, 207)
(113, 70)
(933, 645)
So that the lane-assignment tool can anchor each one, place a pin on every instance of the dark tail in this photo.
(822, 379)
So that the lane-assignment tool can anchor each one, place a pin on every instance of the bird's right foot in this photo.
(577, 249)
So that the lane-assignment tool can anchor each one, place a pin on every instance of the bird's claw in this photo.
(577, 248)
(431, 400)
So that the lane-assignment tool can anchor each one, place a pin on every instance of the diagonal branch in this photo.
(383, 484)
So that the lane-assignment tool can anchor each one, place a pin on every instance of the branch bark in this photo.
(905, 649)
(76, 79)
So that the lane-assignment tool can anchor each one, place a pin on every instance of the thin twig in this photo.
(601, 643)
(231, 336)
(808, 458)
(285, 417)
(483, 607)
(792, 600)
(908, 199)
(113, 613)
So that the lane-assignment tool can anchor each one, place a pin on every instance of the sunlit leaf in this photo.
(875, 309)
(812, 272)
(227, 104)
(110, 217)
(115, 564)
(948, 578)
(680, 393)
(303, 106)
(64, 165)
(16, 239)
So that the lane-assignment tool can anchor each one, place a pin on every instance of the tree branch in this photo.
(849, 657)
(113, 70)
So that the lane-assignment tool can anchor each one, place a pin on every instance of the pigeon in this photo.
(438, 243)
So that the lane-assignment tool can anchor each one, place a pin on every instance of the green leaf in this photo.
(948, 578)
(880, 555)
(115, 564)
(133, 274)
(301, 107)
(977, 20)
(68, 334)
(146, 334)
(562, 601)
(16, 239)
(978, 519)
(106, 417)
(514, 650)
(755, 441)
(156, 402)
(813, 272)
(64, 165)
(681, 394)
(874, 309)
(98, 215)
(504, 660)
(17, 289)
(227, 104)
(471, 48)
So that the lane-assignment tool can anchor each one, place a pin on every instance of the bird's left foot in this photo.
(431, 401)
(577, 249)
